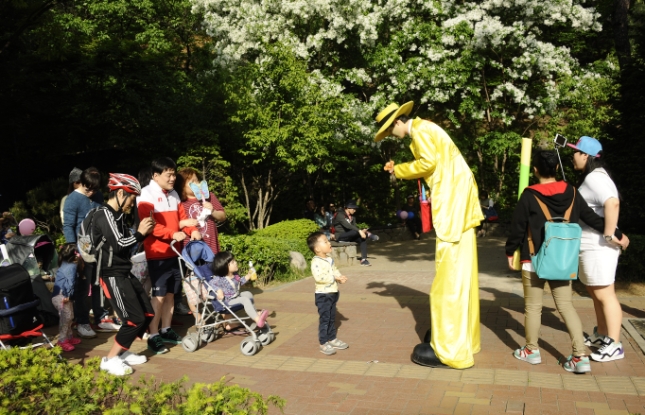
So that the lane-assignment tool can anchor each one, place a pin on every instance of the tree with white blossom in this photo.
(489, 71)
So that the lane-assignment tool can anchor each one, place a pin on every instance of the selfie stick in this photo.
(561, 166)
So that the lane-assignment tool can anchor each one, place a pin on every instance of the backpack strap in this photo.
(567, 214)
(545, 210)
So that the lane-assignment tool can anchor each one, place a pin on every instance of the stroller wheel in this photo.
(249, 347)
(190, 342)
(265, 338)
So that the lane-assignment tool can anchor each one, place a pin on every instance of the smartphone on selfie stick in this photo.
(560, 141)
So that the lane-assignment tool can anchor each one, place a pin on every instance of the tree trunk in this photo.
(620, 22)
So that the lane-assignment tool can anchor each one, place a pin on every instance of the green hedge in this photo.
(269, 248)
(630, 264)
(38, 382)
(289, 229)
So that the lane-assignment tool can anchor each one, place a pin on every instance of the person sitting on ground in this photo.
(125, 292)
(227, 283)
(160, 201)
(346, 230)
(327, 278)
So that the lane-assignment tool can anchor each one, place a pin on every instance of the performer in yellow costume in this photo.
(454, 296)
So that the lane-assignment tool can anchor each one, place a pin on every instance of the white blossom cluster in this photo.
(482, 60)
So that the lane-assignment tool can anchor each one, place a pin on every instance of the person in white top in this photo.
(599, 252)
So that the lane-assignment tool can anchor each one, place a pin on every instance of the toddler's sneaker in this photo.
(115, 366)
(155, 343)
(74, 340)
(108, 325)
(528, 355)
(85, 331)
(595, 339)
(132, 359)
(327, 349)
(66, 345)
(338, 344)
(577, 364)
(263, 318)
(610, 350)
(170, 337)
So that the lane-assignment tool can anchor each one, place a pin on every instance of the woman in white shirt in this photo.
(599, 252)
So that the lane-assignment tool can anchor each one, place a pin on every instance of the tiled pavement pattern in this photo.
(383, 312)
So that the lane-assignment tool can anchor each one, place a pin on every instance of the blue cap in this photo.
(588, 145)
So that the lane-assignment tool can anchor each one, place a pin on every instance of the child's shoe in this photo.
(263, 318)
(327, 349)
(577, 364)
(595, 339)
(528, 355)
(74, 340)
(610, 350)
(66, 345)
(115, 366)
(338, 344)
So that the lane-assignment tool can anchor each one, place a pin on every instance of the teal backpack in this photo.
(557, 258)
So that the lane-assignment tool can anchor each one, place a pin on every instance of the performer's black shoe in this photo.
(424, 355)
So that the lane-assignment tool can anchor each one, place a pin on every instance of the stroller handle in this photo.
(180, 258)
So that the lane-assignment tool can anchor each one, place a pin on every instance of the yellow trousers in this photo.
(454, 302)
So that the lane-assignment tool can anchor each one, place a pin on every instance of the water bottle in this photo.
(252, 272)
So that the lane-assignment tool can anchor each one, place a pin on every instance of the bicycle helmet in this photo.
(124, 181)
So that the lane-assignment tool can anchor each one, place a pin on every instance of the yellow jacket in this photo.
(455, 198)
(325, 272)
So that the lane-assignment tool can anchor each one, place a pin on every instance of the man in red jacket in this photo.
(159, 201)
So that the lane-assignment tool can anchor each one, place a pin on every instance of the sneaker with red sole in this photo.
(66, 346)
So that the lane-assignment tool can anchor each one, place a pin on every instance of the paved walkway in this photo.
(383, 313)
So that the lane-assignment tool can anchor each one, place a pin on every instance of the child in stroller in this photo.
(227, 282)
(213, 316)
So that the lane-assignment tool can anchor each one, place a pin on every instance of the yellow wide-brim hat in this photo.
(388, 115)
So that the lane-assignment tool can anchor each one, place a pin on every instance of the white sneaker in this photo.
(133, 359)
(115, 366)
(85, 331)
(594, 339)
(609, 351)
(107, 326)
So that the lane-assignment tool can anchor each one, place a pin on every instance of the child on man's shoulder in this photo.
(327, 278)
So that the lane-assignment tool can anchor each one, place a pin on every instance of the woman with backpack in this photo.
(558, 197)
(598, 250)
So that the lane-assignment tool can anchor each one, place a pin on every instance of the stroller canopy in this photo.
(28, 251)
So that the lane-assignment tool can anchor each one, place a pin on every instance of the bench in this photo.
(343, 253)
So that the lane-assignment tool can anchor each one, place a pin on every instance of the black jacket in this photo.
(341, 224)
(110, 224)
(557, 197)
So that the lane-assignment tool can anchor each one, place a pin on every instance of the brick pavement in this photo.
(382, 313)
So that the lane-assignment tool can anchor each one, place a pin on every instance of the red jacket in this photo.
(165, 205)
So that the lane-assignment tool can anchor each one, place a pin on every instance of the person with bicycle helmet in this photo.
(125, 292)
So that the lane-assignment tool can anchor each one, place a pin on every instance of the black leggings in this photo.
(131, 304)
(354, 236)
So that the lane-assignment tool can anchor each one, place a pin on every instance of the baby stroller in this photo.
(18, 309)
(198, 258)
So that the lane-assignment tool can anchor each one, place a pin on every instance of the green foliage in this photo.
(43, 205)
(298, 229)
(630, 263)
(37, 381)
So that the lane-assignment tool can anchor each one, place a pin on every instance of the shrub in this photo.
(37, 381)
(630, 263)
(269, 248)
(298, 229)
